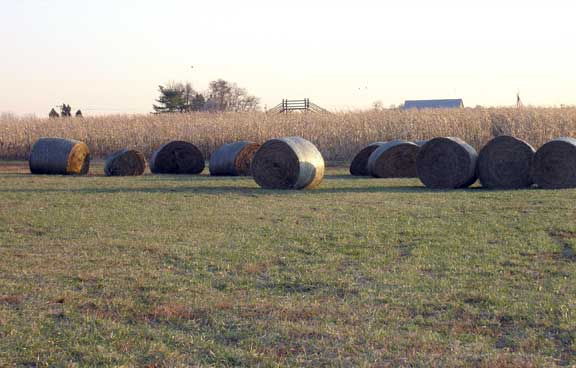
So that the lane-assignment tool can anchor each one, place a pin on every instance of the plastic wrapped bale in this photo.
(420, 143)
(177, 157)
(447, 163)
(126, 162)
(554, 164)
(58, 156)
(233, 159)
(505, 163)
(394, 159)
(359, 165)
(288, 163)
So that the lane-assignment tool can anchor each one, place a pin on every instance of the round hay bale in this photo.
(58, 156)
(177, 157)
(394, 159)
(359, 165)
(554, 164)
(125, 162)
(420, 143)
(288, 163)
(446, 163)
(504, 163)
(233, 159)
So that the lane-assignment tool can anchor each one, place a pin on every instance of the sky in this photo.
(108, 57)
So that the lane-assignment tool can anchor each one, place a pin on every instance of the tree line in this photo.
(220, 96)
(65, 112)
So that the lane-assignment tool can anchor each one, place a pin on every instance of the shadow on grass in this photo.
(219, 190)
(207, 184)
(178, 178)
(204, 177)
(347, 177)
(252, 192)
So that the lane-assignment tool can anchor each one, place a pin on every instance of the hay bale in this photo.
(505, 162)
(58, 156)
(359, 165)
(554, 164)
(394, 159)
(177, 157)
(125, 162)
(233, 159)
(446, 163)
(288, 163)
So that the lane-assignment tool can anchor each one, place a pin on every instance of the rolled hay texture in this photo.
(58, 156)
(177, 157)
(394, 159)
(505, 163)
(126, 162)
(447, 163)
(233, 159)
(288, 163)
(554, 164)
(359, 165)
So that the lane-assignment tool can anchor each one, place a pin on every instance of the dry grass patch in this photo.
(338, 136)
(12, 300)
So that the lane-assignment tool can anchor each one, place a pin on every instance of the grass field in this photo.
(165, 271)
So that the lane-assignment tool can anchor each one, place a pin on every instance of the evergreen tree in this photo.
(171, 99)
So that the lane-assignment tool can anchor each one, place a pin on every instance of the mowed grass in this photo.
(166, 271)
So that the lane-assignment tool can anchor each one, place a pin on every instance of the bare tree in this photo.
(226, 96)
(220, 94)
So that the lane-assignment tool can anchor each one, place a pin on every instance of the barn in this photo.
(434, 104)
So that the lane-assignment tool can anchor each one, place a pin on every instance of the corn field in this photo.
(338, 136)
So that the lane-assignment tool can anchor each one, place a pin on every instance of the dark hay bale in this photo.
(420, 143)
(554, 164)
(233, 159)
(177, 157)
(359, 165)
(505, 162)
(446, 163)
(125, 162)
(394, 159)
(288, 163)
(58, 156)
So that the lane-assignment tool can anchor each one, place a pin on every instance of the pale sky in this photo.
(110, 56)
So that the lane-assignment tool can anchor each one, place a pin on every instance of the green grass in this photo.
(182, 271)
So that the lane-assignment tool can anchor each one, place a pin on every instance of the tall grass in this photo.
(338, 136)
